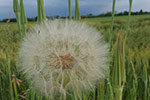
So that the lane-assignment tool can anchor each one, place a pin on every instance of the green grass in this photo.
(137, 85)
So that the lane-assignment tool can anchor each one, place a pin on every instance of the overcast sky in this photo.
(59, 7)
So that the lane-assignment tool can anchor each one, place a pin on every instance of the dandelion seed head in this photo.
(63, 56)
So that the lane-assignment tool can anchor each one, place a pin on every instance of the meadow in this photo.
(14, 86)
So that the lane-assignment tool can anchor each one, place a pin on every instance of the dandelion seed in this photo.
(63, 56)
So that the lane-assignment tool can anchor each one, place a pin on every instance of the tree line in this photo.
(107, 14)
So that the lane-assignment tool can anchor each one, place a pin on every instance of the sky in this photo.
(60, 7)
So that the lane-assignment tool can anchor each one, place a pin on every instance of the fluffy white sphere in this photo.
(61, 57)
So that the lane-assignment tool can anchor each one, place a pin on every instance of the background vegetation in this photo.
(14, 86)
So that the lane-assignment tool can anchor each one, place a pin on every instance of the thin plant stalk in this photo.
(69, 6)
(77, 11)
(128, 21)
(23, 18)
(110, 89)
(15, 90)
(16, 9)
(112, 23)
(145, 79)
(32, 94)
(101, 91)
(41, 12)
(149, 87)
(94, 95)
(135, 82)
(9, 72)
(15, 83)
(129, 15)
(110, 43)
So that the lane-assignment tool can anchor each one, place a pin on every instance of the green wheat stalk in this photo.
(77, 11)
(128, 21)
(23, 18)
(119, 75)
(13, 82)
(41, 12)
(135, 82)
(119, 72)
(16, 9)
(110, 43)
(129, 15)
(69, 6)
(9, 72)
(109, 90)
(112, 23)
(145, 79)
